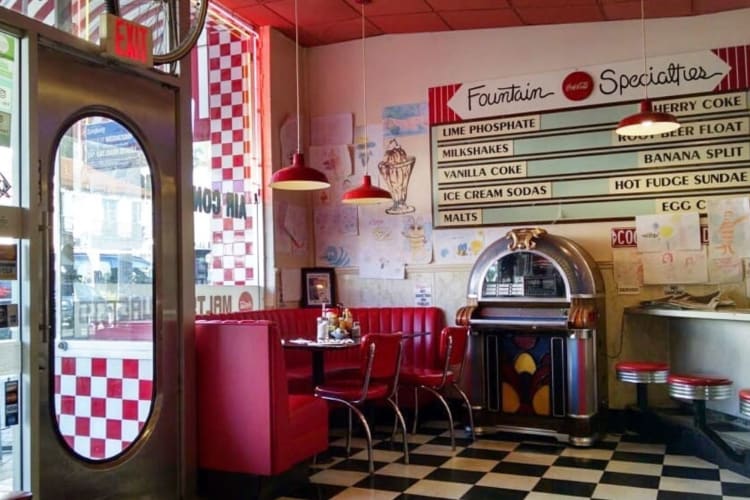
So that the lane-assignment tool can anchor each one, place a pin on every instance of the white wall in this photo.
(401, 68)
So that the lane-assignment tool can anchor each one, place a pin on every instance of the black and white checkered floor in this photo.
(510, 466)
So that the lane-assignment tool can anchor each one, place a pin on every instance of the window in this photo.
(104, 288)
(226, 167)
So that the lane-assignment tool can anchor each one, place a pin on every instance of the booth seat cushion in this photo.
(306, 417)
(296, 323)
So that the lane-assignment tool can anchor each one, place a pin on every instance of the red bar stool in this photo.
(745, 402)
(702, 388)
(642, 373)
(699, 389)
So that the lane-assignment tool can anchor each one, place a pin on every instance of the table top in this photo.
(302, 343)
(314, 344)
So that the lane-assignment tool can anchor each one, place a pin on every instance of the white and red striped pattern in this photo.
(43, 11)
(85, 15)
(438, 104)
(739, 59)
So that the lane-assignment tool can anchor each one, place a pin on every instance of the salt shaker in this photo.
(322, 329)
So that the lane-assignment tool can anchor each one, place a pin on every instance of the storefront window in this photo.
(13, 277)
(8, 103)
(226, 170)
(84, 19)
(103, 254)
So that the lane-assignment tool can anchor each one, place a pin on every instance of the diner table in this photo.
(318, 348)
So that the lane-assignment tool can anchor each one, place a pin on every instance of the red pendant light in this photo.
(366, 194)
(297, 176)
(647, 121)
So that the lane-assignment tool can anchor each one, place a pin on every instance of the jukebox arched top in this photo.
(530, 263)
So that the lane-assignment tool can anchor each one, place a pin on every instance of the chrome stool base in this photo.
(745, 402)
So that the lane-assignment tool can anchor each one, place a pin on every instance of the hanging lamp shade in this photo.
(298, 177)
(647, 122)
(366, 194)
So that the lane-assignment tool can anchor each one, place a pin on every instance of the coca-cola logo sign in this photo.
(245, 302)
(578, 85)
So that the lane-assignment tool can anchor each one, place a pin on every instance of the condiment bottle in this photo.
(346, 319)
(333, 318)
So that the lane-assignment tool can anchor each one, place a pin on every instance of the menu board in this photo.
(566, 163)
(570, 165)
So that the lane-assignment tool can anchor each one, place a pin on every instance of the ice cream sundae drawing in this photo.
(396, 169)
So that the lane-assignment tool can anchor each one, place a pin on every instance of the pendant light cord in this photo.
(364, 95)
(296, 72)
(643, 44)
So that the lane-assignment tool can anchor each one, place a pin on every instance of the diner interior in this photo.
(654, 435)
(412, 249)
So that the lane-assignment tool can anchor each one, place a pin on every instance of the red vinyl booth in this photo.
(247, 421)
(301, 323)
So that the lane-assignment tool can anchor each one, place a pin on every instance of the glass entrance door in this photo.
(110, 399)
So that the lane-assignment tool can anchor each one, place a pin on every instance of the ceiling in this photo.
(322, 22)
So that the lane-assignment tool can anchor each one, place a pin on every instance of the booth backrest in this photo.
(300, 323)
(243, 404)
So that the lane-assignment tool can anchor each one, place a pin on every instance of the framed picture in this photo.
(318, 286)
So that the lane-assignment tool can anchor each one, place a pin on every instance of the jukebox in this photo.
(537, 351)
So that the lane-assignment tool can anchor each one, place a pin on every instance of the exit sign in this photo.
(126, 40)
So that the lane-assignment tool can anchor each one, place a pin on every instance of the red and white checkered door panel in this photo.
(102, 404)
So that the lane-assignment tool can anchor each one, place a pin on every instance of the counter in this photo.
(715, 342)
(725, 313)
